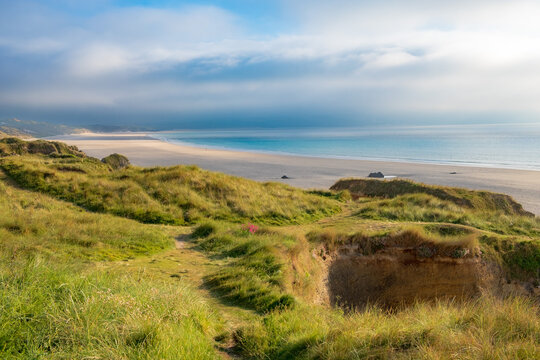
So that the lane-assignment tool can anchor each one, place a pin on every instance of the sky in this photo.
(256, 63)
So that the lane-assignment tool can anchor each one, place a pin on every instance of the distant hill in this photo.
(103, 128)
(29, 128)
(12, 132)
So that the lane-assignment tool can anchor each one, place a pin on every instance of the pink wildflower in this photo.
(251, 228)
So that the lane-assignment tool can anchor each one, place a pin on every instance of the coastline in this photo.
(306, 171)
(342, 157)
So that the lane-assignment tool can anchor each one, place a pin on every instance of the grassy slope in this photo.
(173, 195)
(271, 267)
(64, 295)
(255, 276)
(483, 329)
(36, 224)
(478, 200)
(56, 303)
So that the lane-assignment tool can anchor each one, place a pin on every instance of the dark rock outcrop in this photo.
(378, 175)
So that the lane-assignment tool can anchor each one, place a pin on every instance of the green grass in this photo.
(477, 200)
(415, 238)
(428, 208)
(116, 161)
(519, 257)
(255, 275)
(15, 146)
(50, 311)
(83, 275)
(32, 223)
(487, 328)
(174, 195)
(57, 302)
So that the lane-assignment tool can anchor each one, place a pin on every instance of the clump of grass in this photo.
(519, 257)
(254, 277)
(416, 207)
(15, 146)
(448, 230)
(116, 161)
(204, 230)
(485, 328)
(343, 195)
(425, 244)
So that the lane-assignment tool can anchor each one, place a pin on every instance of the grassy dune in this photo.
(175, 195)
(477, 200)
(88, 268)
(255, 278)
(37, 224)
(57, 302)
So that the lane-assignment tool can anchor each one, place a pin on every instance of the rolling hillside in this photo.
(109, 262)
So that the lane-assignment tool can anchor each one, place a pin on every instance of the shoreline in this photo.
(405, 161)
(305, 171)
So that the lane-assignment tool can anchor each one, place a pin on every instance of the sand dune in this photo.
(307, 172)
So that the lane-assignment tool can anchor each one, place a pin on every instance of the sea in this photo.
(515, 146)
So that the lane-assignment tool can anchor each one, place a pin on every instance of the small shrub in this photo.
(116, 161)
(204, 230)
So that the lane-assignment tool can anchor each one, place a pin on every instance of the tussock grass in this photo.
(53, 311)
(478, 200)
(486, 328)
(519, 257)
(32, 223)
(16, 146)
(62, 298)
(255, 276)
(427, 208)
(116, 161)
(174, 195)
(425, 244)
(55, 306)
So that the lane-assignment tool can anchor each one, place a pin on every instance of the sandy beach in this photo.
(307, 172)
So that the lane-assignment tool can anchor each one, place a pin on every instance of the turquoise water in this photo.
(509, 146)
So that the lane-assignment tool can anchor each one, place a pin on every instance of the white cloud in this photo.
(387, 55)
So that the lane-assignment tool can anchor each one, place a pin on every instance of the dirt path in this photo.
(186, 263)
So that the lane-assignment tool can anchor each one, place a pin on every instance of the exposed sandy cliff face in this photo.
(399, 276)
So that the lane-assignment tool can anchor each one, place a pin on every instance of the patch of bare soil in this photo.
(398, 276)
